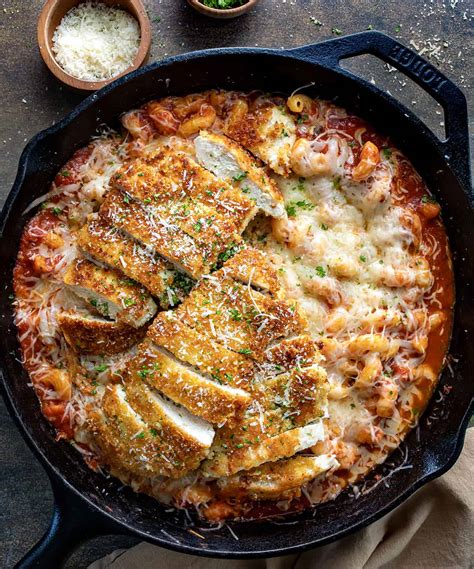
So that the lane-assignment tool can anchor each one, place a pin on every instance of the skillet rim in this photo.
(456, 443)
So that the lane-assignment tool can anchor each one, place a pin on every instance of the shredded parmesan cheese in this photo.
(94, 42)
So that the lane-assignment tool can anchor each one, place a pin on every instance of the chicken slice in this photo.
(280, 480)
(252, 268)
(110, 293)
(299, 351)
(246, 457)
(289, 400)
(269, 133)
(108, 245)
(92, 335)
(164, 238)
(229, 161)
(201, 396)
(209, 357)
(243, 320)
(179, 187)
(144, 434)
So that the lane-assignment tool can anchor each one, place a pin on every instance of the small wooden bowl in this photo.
(52, 14)
(222, 14)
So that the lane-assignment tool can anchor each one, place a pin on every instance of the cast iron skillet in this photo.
(88, 504)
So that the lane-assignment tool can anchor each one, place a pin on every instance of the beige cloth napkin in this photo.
(434, 529)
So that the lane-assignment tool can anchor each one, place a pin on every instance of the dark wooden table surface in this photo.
(32, 100)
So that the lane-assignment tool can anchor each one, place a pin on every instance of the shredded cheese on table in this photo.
(94, 42)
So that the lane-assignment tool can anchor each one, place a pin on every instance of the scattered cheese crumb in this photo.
(94, 42)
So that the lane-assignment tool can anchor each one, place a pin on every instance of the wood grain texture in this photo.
(32, 100)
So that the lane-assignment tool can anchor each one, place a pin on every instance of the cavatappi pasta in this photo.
(239, 299)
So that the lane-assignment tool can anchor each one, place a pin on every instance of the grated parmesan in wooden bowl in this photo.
(94, 42)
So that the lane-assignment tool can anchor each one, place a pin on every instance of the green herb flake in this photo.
(320, 271)
(336, 31)
(245, 351)
(363, 258)
(240, 177)
(235, 314)
(223, 4)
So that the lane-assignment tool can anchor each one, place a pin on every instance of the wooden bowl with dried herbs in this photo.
(222, 9)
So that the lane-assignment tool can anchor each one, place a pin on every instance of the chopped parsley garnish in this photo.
(140, 436)
(320, 271)
(223, 4)
(245, 351)
(144, 372)
(363, 258)
(128, 302)
(301, 204)
(336, 183)
(235, 314)
(154, 432)
(398, 28)
(101, 367)
(56, 210)
(387, 152)
(126, 199)
(324, 227)
(428, 199)
(240, 177)
(370, 27)
(197, 226)
(65, 173)
(183, 283)
(336, 31)
(228, 253)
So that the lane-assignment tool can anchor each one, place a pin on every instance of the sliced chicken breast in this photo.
(229, 161)
(269, 133)
(299, 351)
(209, 357)
(276, 480)
(252, 268)
(286, 401)
(164, 238)
(92, 335)
(144, 434)
(110, 293)
(200, 395)
(178, 186)
(243, 320)
(109, 246)
(249, 456)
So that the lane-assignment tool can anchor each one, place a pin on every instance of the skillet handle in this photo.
(72, 523)
(456, 146)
